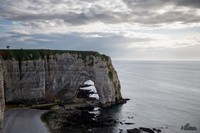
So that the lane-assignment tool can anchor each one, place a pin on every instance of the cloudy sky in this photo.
(123, 29)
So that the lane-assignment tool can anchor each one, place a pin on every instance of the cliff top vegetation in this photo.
(34, 54)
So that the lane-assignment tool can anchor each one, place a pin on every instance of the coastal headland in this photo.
(48, 79)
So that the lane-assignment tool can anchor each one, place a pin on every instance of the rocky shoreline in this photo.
(79, 120)
(70, 117)
(85, 120)
(82, 117)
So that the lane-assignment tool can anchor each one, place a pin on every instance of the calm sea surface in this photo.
(164, 94)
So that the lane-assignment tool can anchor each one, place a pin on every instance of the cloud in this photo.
(116, 45)
(189, 3)
(156, 4)
(120, 28)
(115, 12)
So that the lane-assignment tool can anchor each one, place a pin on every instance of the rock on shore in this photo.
(79, 120)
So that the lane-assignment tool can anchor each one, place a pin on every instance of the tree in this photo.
(7, 47)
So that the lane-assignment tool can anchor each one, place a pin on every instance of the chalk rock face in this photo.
(58, 74)
(1, 98)
(23, 80)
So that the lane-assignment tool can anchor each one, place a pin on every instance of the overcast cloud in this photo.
(123, 29)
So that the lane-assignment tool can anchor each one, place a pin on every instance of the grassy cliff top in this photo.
(34, 54)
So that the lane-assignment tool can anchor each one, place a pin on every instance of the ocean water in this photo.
(164, 95)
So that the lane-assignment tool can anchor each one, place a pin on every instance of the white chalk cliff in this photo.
(29, 75)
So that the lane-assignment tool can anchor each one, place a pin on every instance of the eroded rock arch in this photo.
(59, 72)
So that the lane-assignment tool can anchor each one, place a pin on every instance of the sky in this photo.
(122, 29)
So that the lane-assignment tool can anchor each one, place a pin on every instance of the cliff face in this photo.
(1, 97)
(35, 75)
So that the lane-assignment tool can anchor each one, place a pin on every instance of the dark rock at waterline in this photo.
(158, 130)
(188, 127)
(148, 130)
(122, 101)
(120, 131)
(128, 123)
(135, 130)
(86, 115)
(88, 108)
(130, 117)
(111, 104)
(82, 120)
(143, 129)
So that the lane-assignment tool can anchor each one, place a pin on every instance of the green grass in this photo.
(104, 57)
(110, 75)
(34, 54)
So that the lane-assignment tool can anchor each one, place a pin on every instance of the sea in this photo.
(163, 95)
